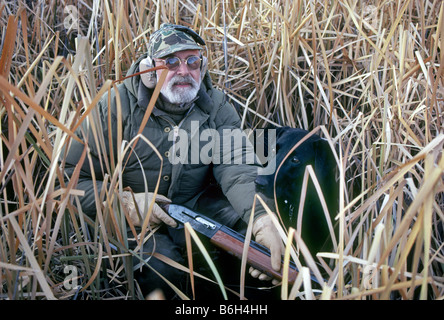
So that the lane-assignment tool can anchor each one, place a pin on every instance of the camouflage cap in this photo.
(171, 38)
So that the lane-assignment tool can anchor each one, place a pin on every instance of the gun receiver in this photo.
(229, 240)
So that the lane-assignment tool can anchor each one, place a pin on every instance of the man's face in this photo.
(182, 84)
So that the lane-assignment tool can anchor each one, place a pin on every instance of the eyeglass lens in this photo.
(192, 62)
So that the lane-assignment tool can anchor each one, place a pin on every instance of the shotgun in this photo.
(229, 240)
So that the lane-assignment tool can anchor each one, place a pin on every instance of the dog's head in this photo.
(314, 151)
(290, 168)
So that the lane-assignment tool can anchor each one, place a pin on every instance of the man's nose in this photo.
(183, 68)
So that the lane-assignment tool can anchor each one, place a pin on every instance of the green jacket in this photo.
(181, 182)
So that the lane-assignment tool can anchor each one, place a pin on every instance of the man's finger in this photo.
(276, 257)
(254, 272)
(162, 199)
(164, 217)
(258, 274)
(264, 277)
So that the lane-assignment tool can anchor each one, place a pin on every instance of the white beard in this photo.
(180, 95)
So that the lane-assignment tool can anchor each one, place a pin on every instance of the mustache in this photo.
(183, 79)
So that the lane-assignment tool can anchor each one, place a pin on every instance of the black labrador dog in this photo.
(288, 177)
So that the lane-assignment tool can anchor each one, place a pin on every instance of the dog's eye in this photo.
(295, 160)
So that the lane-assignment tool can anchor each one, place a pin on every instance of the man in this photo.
(187, 101)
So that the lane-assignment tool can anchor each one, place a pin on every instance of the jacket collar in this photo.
(204, 101)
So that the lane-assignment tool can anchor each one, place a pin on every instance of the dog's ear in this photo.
(280, 131)
(325, 169)
(325, 164)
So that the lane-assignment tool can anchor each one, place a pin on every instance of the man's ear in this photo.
(149, 79)
(203, 67)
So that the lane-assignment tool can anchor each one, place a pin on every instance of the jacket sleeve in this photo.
(94, 132)
(237, 168)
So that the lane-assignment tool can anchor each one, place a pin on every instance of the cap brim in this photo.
(172, 50)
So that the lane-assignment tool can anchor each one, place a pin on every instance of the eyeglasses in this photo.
(173, 63)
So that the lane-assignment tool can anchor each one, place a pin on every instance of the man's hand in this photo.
(143, 201)
(266, 234)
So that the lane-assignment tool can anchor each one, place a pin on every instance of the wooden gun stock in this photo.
(258, 256)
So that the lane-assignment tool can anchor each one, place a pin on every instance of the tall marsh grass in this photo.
(367, 75)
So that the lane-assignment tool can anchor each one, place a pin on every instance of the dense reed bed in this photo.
(366, 75)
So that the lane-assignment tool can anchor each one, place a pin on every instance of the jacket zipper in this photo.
(175, 135)
(176, 128)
